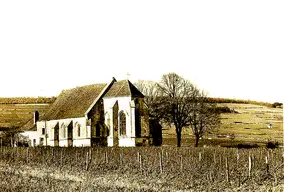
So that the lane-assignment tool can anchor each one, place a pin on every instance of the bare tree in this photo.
(204, 116)
(175, 92)
(150, 91)
(182, 104)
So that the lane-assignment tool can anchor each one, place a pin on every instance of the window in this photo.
(43, 131)
(41, 141)
(122, 123)
(79, 130)
(98, 130)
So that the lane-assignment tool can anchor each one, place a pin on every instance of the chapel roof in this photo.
(74, 102)
(78, 101)
(123, 88)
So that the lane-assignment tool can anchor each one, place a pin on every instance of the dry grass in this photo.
(140, 169)
(248, 125)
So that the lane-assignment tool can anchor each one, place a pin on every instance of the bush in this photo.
(272, 145)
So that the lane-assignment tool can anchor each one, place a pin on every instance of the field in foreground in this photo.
(141, 169)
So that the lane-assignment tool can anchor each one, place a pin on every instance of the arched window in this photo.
(79, 130)
(122, 123)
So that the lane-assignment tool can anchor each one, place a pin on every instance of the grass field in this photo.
(15, 115)
(249, 125)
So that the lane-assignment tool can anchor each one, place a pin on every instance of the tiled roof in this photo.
(123, 88)
(74, 102)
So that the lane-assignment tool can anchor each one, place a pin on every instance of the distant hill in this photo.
(239, 101)
(27, 100)
(240, 123)
(15, 112)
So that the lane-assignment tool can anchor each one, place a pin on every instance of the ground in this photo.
(248, 125)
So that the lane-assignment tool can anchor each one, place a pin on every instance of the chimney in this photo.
(36, 116)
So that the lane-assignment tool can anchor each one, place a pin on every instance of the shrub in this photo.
(272, 145)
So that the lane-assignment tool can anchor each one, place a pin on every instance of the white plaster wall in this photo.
(110, 141)
(126, 142)
(31, 136)
(49, 129)
(82, 143)
(123, 105)
(40, 125)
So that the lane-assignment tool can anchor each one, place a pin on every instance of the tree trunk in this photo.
(196, 141)
(178, 138)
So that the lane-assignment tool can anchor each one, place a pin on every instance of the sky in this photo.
(231, 49)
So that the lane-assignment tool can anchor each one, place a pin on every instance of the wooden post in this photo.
(52, 154)
(227, 170)
(267, 165)
(161, 163)
(90, 155)
(199, 156)
(87, 161)
(181, 166)
(106, 157)
(27, 156)
(120, 159)
(238, 157)
(140, 162)
(249, 167)
(61, 157)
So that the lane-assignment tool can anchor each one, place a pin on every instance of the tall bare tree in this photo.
(175, 92)
(204, 116)
(182, 104)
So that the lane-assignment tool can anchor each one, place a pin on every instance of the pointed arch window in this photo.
(79, 130)
(122, 123)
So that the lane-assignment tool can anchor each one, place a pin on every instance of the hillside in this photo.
(15, 112)
(248, 125)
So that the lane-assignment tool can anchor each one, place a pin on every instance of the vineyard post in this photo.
(267, 165)
(249, 167)
(61, 156)
(238, 157)
(106, 157)
(181, 166)
(138, 157)
(88, 159)
(161, 162)
(52, 154)
(90, 156)
(140, 162)
(120, 159)
(227, 170)
(27, 155)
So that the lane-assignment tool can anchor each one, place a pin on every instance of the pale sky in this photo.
(232, 49)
